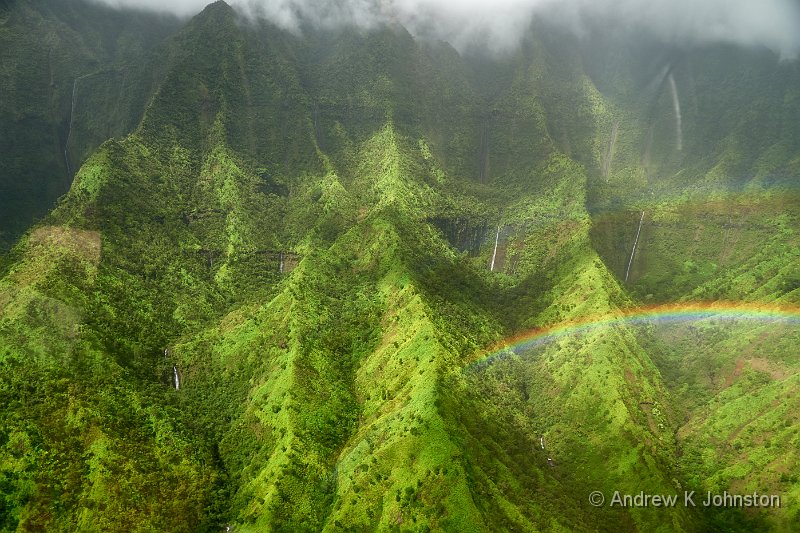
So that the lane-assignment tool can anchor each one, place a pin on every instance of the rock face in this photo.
(464, 235)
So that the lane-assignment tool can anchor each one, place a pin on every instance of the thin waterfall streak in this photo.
(72, 119)
(69, 130)
(177, 377)
(494, 254)
(676, 104)
(659, 79)
(635, 242)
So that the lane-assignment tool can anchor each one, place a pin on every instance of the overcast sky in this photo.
(500, 23)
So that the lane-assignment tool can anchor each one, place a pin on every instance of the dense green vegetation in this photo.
(72, 74)
(264, 299)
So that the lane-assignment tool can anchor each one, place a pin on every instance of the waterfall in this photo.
(176, 377)
(280, 266)
(541, 441)
(494, 254)
(676, 104)
(69, 131)
(72, 118)
(659, 79)
(635, 242)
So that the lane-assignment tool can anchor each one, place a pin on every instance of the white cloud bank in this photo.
(501, 23)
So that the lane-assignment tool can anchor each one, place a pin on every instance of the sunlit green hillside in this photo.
(267, 299)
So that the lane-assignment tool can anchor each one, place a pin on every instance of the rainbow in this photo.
(676, 312)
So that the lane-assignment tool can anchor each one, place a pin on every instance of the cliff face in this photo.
(74, 74)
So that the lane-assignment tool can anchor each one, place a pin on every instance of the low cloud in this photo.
(181, 8)
(500, 24)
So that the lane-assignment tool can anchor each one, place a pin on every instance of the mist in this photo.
(500, 25)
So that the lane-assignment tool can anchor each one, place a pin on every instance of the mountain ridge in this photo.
(304, 231)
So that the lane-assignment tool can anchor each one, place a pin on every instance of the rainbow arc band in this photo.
(677, 312)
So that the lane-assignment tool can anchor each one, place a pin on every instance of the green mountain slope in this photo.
(267, 304)
(73, 75)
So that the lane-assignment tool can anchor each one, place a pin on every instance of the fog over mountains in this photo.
(500, 25)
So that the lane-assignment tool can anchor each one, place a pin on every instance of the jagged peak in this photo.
(219, 12)
(218, 6)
